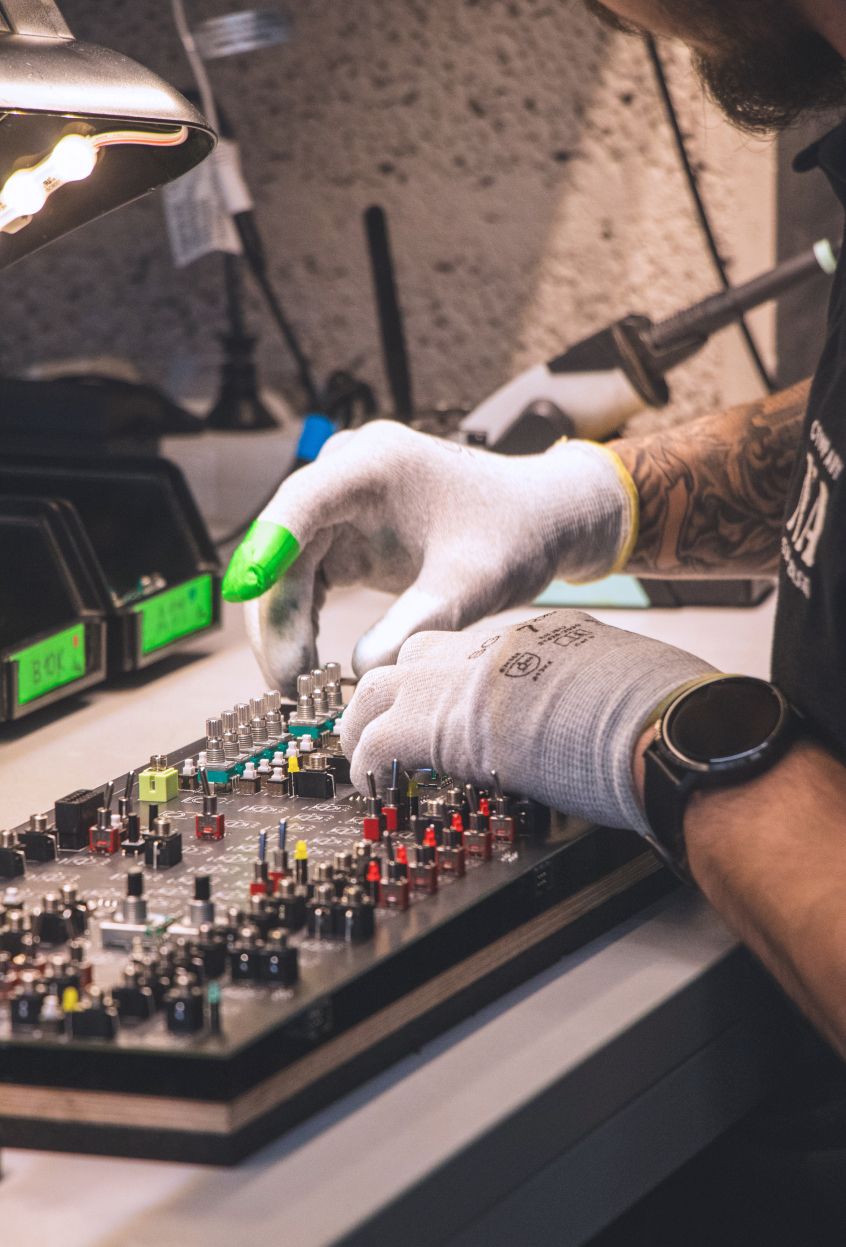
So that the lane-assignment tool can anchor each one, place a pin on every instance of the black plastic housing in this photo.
(130, 519)
(49, 584)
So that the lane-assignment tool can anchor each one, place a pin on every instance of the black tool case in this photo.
(52, 616)
(156, 570)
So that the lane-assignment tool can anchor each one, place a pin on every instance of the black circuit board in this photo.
(249, 1010)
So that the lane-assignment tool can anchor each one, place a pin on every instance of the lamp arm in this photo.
(34, 17)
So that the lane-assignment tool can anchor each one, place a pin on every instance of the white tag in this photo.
(198, 222)
(226, 159)
(241, 32)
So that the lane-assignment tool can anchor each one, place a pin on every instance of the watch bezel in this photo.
(718, 768)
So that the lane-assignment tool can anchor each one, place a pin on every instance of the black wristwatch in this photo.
(722, 731)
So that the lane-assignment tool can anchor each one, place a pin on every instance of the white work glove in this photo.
(555, 705)
(460, 533)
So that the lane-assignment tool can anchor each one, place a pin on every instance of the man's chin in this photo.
(770, 89)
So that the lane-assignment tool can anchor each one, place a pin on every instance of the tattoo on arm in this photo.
(713, 492)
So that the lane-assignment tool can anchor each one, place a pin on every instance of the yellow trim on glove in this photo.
(627, 481)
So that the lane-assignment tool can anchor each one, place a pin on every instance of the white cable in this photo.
(195, 60)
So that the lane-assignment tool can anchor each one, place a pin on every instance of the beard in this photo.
(765, 67)
(770, 68)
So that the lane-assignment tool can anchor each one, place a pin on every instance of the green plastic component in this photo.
(265, 554)
(50, 664)
(158, 786)
(176, 613)
(223, 777)
(314, 732)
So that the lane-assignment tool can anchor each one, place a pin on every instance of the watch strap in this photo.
(665, 795)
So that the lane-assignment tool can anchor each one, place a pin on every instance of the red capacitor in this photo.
(457, 823)
(451, 861)
(372, 829)
(479, 844)
(391, 815)
(424, 878)
(504, 829)
(209, 826)
(105, 841)
(393, 893)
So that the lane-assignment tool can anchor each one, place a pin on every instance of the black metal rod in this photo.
(699, 205)
(720, 310)
(392, 331)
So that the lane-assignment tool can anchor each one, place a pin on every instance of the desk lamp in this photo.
(83, 130)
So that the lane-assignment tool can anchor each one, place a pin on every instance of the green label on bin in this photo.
(50, 664)
(176, 613)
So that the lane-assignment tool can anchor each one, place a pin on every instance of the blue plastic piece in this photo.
(618, 592)
(317, 429)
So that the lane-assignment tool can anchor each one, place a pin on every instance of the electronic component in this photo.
(74, 814)
(162, 845)
(157, 984)
(210, 825)
(96, 1018)
(478, 839)
(315, 780)
(132, 920)
(12, 857)
(450, 853)
(159, 782)
(39, 839)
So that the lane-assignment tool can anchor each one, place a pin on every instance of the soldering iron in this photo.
(595, 386)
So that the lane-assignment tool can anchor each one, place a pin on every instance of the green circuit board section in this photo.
(49, 664)
(176, 613)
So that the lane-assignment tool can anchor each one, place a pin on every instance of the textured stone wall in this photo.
(525, 165)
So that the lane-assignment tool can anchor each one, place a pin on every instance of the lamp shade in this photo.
(83, 130)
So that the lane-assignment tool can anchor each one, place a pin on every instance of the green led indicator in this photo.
(176, 613)
(50, 664)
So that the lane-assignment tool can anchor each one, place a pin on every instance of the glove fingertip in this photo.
(265, 554)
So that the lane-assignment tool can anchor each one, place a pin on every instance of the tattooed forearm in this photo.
(712, 493)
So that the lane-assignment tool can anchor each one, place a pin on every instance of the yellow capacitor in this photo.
(70, 1000)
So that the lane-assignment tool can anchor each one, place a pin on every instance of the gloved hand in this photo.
(459, 532)
(556, 705)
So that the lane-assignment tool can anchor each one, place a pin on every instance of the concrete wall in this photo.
(520, 152)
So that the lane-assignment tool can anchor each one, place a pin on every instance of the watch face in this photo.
(724, 720)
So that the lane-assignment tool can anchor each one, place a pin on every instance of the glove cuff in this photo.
(631, 521)
(608, 701)
(600, 529)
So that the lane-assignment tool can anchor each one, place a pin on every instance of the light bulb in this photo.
(24, 193)
(71, 160)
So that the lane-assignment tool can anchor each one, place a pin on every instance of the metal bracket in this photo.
(34, 17)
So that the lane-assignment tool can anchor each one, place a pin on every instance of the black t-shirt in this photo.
(809, 660)
(809, 653)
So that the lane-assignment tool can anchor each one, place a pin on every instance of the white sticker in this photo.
(198, 222)
(226, 159)
(241, 32)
